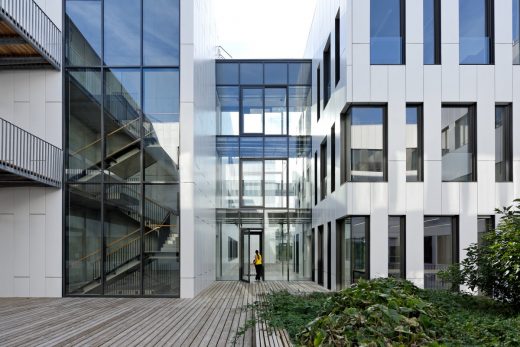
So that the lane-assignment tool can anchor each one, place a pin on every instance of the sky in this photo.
(264, 29)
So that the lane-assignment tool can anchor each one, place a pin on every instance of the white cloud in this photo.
(264, 28)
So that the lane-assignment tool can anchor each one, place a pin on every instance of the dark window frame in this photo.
(507, 142)
(333, 158)
(402, 246)
(315, 177)
(327, 73)
(420, 141)
(337, 48)
(318, 93)
(323, 169)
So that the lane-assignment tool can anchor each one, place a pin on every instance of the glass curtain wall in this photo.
(263, 147)
(122, 143)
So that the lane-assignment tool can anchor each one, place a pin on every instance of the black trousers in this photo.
(259, 272)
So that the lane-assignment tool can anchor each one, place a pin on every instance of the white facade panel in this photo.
(450, 72)
(361, 72)
(379, 230)
(414, 72)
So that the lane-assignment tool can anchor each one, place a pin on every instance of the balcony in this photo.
(28, 38)
(27, 160)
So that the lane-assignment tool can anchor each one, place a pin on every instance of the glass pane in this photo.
(252, 183)
(83, 28)
(84, 125)
(123, 239)
(385, 32)
(228, 110)
(429, 29)
(122, 130)
(275, 147)
(503, 144)
(161, 240)
(246, 264)
(367, 143)
(299, 110)
(359, 244)
(457, 144)
(251, 147)
(516, 32)
(300, 74)
(412, 144)
(275, 73)
(475, 42)
(227, 251)
(394, 247)
(327, 84)
(275, 111)
(347, 254)
(122, 32)
(84, 239)
(251, 73)
(300, 258)
(161, 125)
(161, 32)
(228, 181)
(276, 248)
(275, 183)
(485, 225)
(438, 250)
(252, 111)
(227, 73)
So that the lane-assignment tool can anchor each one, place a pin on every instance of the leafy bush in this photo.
(493, 267)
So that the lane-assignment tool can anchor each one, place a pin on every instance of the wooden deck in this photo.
(210, 319)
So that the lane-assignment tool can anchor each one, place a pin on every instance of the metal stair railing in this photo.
(31, 22)
(26, 155)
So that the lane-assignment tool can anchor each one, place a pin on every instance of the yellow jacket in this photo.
(258, 259)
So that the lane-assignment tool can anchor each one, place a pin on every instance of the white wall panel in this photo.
(516, 112)
(503, 21)
(361, 72)
(396, 128)
(450, 198)
(360, 203)
(414, 22)
(432, 187)
(505, 194)
(360, 24)
(432, 112)
(396, 187)
(22, 287)
(450, 21)
(468, 83)
(379, 231)
(414, 72)
(53, 236)
(379, 83)
(414, 233)
(21, 81)
(450, 72)
(37, 257)
(6, 254)
(486, 187)
(37, 103)
(485, 113)
(467, 217)
(503, 73)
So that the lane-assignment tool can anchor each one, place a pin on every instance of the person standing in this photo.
(259, 267)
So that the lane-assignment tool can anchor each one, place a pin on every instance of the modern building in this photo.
(135, 161)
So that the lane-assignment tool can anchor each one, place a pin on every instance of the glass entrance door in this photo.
(250, 241)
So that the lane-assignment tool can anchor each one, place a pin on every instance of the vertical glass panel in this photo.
(327, 84)
(228, 110)
(161, 124)
(386, 32)
(123, 239)
(475, 39)
(359, 248)
(276, 246)
(299, 256)
(275, 183)
(367, 144)
(228, 169)
(323, 170)
(228, 234)
(251, 147)
(275, 111)
(431, 31)
(252, 183)
(394, 247)
(84, 239)
(161, 32)
(83, 30)
(122, 124)
(457, 144)
(299, 110)
(227, 73)
(122, 25)
(503, 144)
(347, 254)
(300, 74)
(84, 125)
(516, 32)
(413, 144)
(299, 183)
(252, 111)
(438, 250)
(251, 73)
(485, 225)
(337, 48)
(275, 147)
(275, 73)
(161, 240)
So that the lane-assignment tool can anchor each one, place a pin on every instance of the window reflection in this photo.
(275, 183)
(475, 32)
(252, 111)
(275, 73)
(228, 110)
(161, 32)
(386, 32)
(414, 144)
(83, 27)
(275, 111)
(503, 144)
(251, 73)
(122, 27)
(252, 183)
(440, 245)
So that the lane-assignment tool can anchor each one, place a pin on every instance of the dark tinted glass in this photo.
(474, 32)
(83, 28)
(439, 246)
(161, 32)
(327, 84)
(275, 73)
(516, 32)
(503, 144)
(227, 73)
(251, 73)
(386, 39)
(300, 73)
(431, 31)
(395, 261)
(122, 32)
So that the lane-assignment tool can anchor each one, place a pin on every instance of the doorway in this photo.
(250, 240)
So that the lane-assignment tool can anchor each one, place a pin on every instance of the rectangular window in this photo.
(485, 225)
(440, 249)
(252, 187)
(365, 144)
(387, 32)
(323, 169)
(327, 86)
(275, 190)
(318, 93)
(161, 32)
(396, 247)
(353, 248)
(516, 32)
(432, 31)
(476, 31)
(333, 158)
(458, 144)
(316, 178)
(252, 111)
(122, 39)
(337, 48)
(228, 110)
(414, 143)
(503, 144)
(275, 111)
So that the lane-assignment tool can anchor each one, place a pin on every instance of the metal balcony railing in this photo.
(27, 156)
(31, 23)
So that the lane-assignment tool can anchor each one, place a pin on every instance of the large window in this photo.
(516, 32)
(327, 84)
(503, 144)
(323, 169)
(83, 28)
(333, 158)
(396, 247)
(485, 225)
(353, 248)
(122, 37)
(228, 110)
(252, 183)
(458, 144)
(364, 138)
(318, 93)
(414, 143)
(252, 111)
(275, 111)
(337, 48)
(440, 249)
(161, 32)
(476, 31)
(387, 32)
(432, 31)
